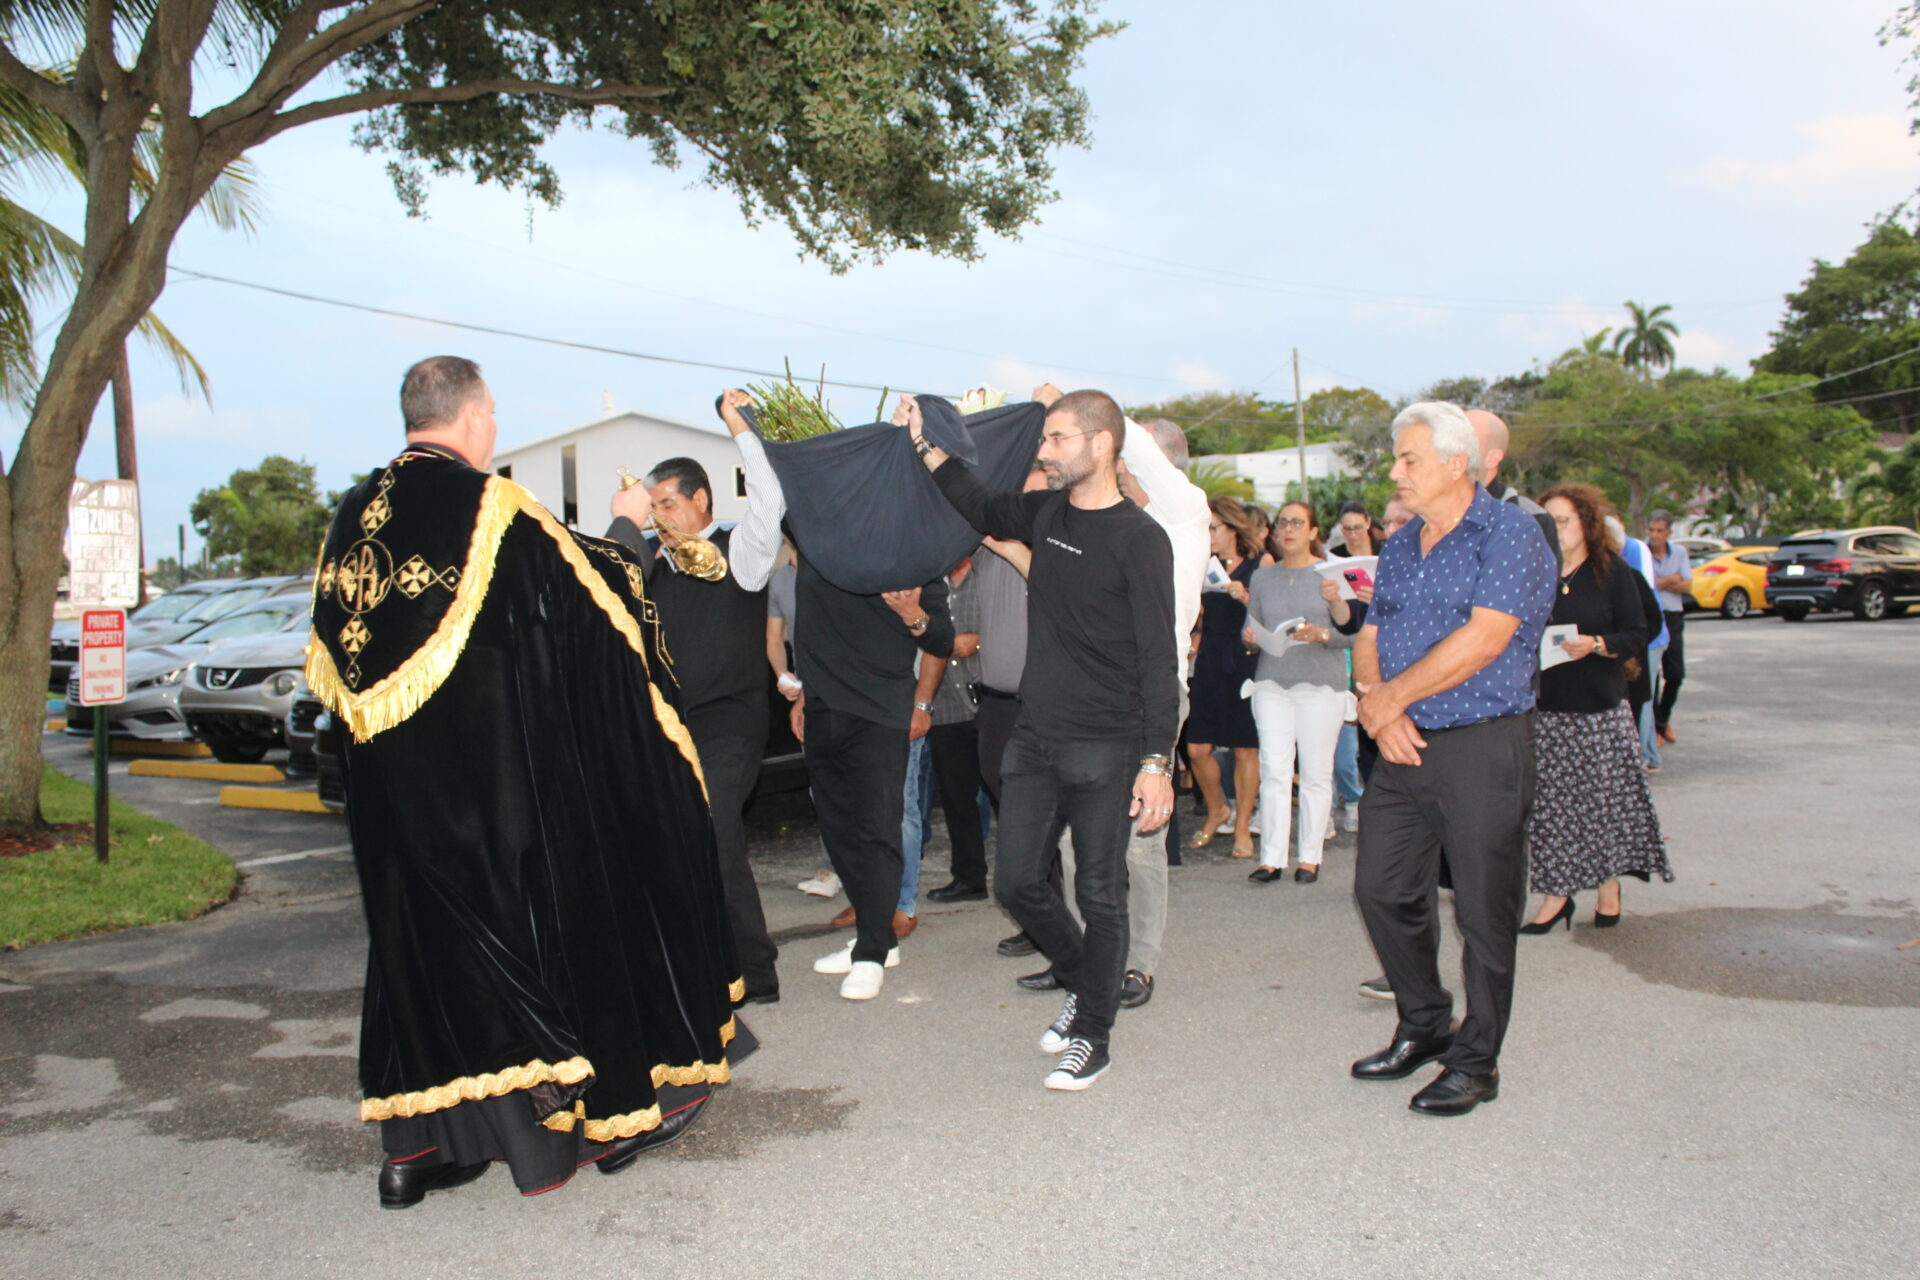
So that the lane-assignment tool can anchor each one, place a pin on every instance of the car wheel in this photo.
(1736, 605)
(1792, 612)
(1872, 604)
(234, 751)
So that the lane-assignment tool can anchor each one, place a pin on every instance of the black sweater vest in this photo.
(716, 633)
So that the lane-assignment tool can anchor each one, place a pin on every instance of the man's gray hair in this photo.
(1171, 439)
(1453, 433)
(437, 389)
(1662, 515)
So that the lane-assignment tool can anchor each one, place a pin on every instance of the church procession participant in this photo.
(1446, 662)
(550, 973)
(714, 625)
(1099, 706)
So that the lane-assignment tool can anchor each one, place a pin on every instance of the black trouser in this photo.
(859, 773)
(956, 772)
(1470, 794)
(732, 765)
(1088, 786)
(1673, 671)
(994, 723)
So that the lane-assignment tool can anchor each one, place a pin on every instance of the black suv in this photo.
(1874, 572)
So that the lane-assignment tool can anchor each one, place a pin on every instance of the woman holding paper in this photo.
(1299, 694)
(1593, 819)
(1221, 664)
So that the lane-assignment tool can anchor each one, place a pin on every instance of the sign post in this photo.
(103, 682)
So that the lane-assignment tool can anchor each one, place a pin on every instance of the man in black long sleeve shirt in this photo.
(1099, 707)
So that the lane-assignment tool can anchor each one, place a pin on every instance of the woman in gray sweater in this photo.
(1300, 697)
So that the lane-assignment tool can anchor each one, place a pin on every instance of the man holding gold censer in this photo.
(710, 586)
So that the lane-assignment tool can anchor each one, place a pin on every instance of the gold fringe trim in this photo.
(392, 700)
(623, 622)
(474, 1088)
(737, 990)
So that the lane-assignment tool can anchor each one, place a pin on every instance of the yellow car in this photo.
(1734, 582)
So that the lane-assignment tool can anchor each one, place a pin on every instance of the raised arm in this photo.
(755, 546)
(998, 515)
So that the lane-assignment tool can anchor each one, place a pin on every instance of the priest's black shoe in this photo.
(1455, 1093)
(1400, 1059)
(1135, 989)
(769, 994)
(957, 892)
(624, 1151)
(1017, 945)
(1041, 981)
(405, 1184)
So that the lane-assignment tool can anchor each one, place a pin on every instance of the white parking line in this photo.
(295, 857)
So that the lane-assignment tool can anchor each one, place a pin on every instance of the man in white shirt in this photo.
(1153, 474)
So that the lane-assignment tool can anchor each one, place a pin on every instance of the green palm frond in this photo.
(1219, 480)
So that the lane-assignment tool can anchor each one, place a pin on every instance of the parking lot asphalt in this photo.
(1726, 1085)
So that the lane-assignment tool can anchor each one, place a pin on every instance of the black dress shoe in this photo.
(769, 994)
(624, 1151)
(1135, 989)
(1305, 875)
(1265, 875)
(1400, 1059)
(1018, 945)
(405, 1184)
(1041, 981)
(957, 892)
(1455, 1093)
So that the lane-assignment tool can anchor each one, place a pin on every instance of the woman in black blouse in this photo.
(1593, 818)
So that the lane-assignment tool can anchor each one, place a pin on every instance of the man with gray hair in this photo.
(1445, 664)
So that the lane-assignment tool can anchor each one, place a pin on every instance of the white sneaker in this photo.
(863, 981)
(1350, 816)
(824, 885)
(1058, 1034)
(841, 961)
(1226, 827)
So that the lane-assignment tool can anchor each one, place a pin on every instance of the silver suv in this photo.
(236, 699)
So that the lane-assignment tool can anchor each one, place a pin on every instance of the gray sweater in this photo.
(1279, 594)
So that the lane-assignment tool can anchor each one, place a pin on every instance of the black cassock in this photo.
(550, 961)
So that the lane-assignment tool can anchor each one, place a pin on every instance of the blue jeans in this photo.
(916, 822)
(1649, 740)
(1346, 764)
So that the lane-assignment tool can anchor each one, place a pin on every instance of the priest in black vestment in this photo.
(551, 974)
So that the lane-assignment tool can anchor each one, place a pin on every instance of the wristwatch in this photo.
(922, 447)
(926, 620)
(923, 706)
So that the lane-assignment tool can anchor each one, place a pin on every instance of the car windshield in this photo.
(222, 603)
(253, 623)
(167, 607)
(1813, 549)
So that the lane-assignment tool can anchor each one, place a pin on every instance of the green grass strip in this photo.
(158, 873)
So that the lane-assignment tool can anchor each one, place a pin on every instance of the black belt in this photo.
(988, 691)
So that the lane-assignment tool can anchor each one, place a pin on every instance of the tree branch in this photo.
(37, 89)
(374, 99)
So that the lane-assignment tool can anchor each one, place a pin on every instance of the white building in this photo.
(1271, 471)
(574, 472)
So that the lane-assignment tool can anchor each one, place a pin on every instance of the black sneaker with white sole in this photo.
(1081, 1064)
(1060, 1031)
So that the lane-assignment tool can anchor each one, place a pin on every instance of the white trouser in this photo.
(1302, 721)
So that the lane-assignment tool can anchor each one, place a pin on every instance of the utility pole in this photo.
(1300, 429)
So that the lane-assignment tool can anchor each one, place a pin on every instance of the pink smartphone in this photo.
(1357, 578)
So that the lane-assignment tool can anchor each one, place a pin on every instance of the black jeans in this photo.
(993, 722)
(1470, 794)
(732, 765)
(1087, 785)
(859, 773)
(1673, 670)
(956, 772)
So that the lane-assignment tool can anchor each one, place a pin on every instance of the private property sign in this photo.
(103, 657)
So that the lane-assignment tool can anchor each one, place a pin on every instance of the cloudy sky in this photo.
(1404, 191)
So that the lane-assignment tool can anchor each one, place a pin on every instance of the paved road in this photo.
(1727, 1085)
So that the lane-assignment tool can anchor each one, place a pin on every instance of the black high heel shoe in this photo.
(1546, 926)
(1601, 920)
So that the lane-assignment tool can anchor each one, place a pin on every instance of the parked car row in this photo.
(1872, 572)
(174, 616)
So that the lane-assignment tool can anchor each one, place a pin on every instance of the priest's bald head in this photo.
(445, 401)
(1494, 438)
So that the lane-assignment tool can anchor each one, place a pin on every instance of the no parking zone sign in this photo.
(103, 657)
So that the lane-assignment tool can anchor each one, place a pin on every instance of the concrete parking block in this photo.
(56, 725)
(206, 771)
(177, 750)
(286, 801)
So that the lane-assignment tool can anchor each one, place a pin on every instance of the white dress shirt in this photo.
(1180, 507)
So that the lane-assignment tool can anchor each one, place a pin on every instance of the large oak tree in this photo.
(866, 126)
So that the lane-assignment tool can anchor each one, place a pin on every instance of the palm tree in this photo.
(1217, 480)
(1596, 344)
(1647, 342)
